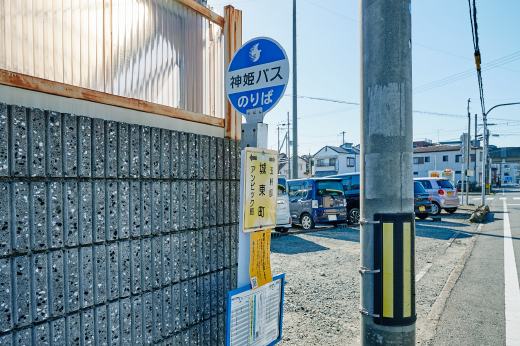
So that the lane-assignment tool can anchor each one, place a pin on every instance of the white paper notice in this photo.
(255, 315)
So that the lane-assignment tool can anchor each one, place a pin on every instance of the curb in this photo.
(429, 328)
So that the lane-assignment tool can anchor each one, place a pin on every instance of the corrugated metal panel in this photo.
(152, 50)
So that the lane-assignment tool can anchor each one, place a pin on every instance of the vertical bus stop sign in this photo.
(257, 77)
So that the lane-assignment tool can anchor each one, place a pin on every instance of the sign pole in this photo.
(255, 82)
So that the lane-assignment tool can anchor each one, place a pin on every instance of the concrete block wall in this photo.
(114, 233)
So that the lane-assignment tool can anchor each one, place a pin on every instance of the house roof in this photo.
(438, 148)
(341, 150)
(281, 164)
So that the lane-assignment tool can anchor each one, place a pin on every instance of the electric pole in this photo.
(476, 146)
(484, 145)
(343, 137)
(295, 99)
(278, 147)
(387, 234)
(288, 146)
(468, 155)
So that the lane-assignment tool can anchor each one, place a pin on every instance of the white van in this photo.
(283, 212)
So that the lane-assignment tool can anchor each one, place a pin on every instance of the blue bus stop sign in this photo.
(257, 76)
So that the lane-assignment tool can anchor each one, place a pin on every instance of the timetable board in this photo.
(254, 317)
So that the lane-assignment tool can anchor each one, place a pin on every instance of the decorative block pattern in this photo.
(113, 233)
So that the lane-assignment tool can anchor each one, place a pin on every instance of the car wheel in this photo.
(307, 222)
(436, 209)
(353, 216)
(451, 210)
(422, 216)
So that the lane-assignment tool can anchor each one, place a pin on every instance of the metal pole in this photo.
(386, 155)
(288, 147)
(462, 180)
(278, 147)
(295, 99)
(484, 161)
(468, 155)
(476, 146)
(488, 163)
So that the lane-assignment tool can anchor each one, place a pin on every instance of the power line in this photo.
(468, 73)
(357, 104)
(331, 11)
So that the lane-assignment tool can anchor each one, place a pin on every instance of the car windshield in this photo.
(418, 188)
(329, 188)
(281, 186)
(445, 184)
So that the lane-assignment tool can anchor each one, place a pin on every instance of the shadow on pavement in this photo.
(350, 234)
(294, 245)
(443, 233)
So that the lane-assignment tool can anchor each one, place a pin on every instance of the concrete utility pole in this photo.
(387, 210)
(476, 146)
(484, 145)
(295, 99)
(468, 155)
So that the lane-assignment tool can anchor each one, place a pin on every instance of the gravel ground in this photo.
(321, 268)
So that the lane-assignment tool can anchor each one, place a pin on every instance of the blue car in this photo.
(317, 200)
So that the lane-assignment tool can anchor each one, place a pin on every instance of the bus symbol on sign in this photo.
(257, 77)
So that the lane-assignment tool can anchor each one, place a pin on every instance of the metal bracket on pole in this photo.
(363, 270)
(364, 311)
(368, 222)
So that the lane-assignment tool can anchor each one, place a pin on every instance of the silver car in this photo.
(443, 194)
(283, 212)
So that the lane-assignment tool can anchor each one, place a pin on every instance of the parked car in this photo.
(317, 200)
(461, 185)
(351, 187)
(422, 204)
(283, 214)
(442, 193)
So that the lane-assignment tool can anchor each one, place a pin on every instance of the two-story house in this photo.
(441, 157)
(331, 160)
(283, 167)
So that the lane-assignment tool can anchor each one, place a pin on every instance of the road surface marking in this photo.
(516, 197)
(513, 204)
(512, 291)
(477, 199)
(503, 192)
(490, 199)
(502, 198)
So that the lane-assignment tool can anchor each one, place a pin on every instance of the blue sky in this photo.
(328, 67)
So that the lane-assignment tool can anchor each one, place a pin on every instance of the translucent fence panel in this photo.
(153, 50)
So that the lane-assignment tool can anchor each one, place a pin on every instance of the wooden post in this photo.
(232, 41)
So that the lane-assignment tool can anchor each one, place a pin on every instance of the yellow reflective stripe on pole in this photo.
(407, 269)
(388, 270)
(477, 61)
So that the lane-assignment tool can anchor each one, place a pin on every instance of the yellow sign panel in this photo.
(260, 169)
(260, 262)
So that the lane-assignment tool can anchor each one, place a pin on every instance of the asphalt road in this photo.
(484, 305)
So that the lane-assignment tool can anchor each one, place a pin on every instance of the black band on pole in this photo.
(394, 255)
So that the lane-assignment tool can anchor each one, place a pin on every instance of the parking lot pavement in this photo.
(322, 291)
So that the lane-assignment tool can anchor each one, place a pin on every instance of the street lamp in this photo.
(485, 148)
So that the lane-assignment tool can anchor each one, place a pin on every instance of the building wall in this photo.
(114, 232)
(301, 169)
(341, 166)
(421, 170)
(343, 161)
